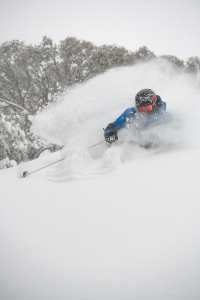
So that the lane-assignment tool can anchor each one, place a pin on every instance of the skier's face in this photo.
(146, 108)
(149, 105)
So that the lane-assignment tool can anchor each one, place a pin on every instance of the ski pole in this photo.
(27, 173)
(97, 144)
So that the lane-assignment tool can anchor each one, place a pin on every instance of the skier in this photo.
(148, 109)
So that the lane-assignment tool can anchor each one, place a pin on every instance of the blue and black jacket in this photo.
(131, 114)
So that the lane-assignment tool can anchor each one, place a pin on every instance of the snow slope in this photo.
(107, 223)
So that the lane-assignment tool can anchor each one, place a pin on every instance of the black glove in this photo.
(110, 133)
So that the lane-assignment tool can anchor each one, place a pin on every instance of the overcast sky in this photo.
(166, 27)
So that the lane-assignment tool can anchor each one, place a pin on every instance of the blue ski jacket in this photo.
(131, 114)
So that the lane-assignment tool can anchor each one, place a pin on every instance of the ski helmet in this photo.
(145, 100)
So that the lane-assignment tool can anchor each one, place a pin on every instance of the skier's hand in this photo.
(110, 134)
(111, 138)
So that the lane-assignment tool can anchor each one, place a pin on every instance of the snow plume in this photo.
(78, 118)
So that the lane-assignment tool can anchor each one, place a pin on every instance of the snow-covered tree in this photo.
(193, 65)
(175, 61)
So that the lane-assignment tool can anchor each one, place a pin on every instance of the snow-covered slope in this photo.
(107, 223)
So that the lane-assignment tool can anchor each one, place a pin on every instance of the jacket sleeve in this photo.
(126, 117)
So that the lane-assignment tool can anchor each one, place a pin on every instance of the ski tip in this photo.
(24, 174)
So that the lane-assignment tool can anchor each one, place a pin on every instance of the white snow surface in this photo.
(118, 222)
